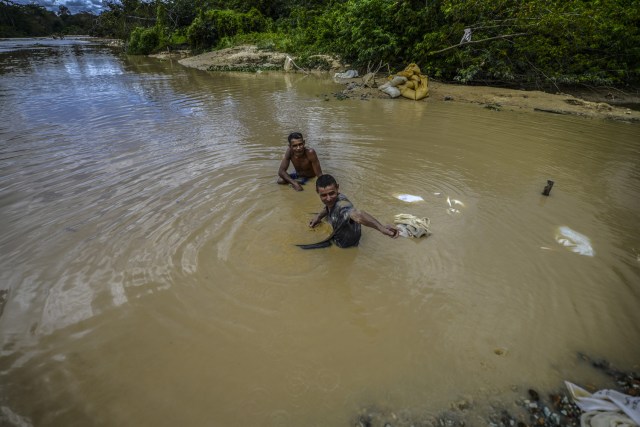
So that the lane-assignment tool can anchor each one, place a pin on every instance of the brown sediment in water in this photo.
(531, 406)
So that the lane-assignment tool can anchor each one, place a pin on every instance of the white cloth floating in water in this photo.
(575, 241)
(411, 226)
(409, 198)
(605, 407)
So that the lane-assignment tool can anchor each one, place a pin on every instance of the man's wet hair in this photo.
(295, 135)
(325, 181)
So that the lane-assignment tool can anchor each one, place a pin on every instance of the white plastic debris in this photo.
(396, 81)
(393, 92)
(454, 202)
(466, 37)
(349, 74)
(390, 87)
(409, 198)
(576, 242)
(288, 63)
(624, 409)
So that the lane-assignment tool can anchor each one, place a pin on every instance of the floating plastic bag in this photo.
(575, 241)
(409, 198)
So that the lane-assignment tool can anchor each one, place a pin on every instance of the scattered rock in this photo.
(534, 395)
(556, 410)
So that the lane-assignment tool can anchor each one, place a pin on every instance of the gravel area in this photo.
(534, 408)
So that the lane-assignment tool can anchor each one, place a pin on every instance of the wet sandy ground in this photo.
(534, 408)
(581, 104)
(599, 103)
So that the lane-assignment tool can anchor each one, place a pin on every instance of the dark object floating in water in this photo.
(321, 244)
(4, 295)
(547, 189)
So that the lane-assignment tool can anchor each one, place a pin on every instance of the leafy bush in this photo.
(213, 25)
(143, 41)
(178, 38)
(317, 62)
(538, 43)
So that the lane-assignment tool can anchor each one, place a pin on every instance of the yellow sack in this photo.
(417, 86)
(415, 90)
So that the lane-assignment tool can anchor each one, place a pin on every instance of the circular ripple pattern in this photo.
(140, 213)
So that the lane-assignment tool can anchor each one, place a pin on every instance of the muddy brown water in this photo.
(151, 275)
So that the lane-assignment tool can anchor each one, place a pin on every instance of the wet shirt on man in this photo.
(346, 232)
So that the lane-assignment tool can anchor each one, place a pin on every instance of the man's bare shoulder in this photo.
(311, 152)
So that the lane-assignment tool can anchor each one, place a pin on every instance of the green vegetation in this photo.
(144, 41)
(211, 26)
(531, 43)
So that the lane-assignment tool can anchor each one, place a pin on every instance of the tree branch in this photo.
(506, 36)
(140, 18)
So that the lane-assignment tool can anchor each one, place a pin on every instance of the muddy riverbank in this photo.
(596, 103)
(532, 407)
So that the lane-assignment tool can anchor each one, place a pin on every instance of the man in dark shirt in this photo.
(343, 216)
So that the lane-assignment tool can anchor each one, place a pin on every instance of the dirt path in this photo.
(596, 103)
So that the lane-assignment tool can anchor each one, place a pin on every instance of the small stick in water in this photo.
(547, 189)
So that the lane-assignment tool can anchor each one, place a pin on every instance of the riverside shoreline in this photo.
(594, 103)
(531, 407)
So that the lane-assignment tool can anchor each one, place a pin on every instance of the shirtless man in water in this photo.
(305, 161)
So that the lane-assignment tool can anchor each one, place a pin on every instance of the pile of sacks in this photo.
(409, 83)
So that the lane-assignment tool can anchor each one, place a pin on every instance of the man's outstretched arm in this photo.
(364, 218)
